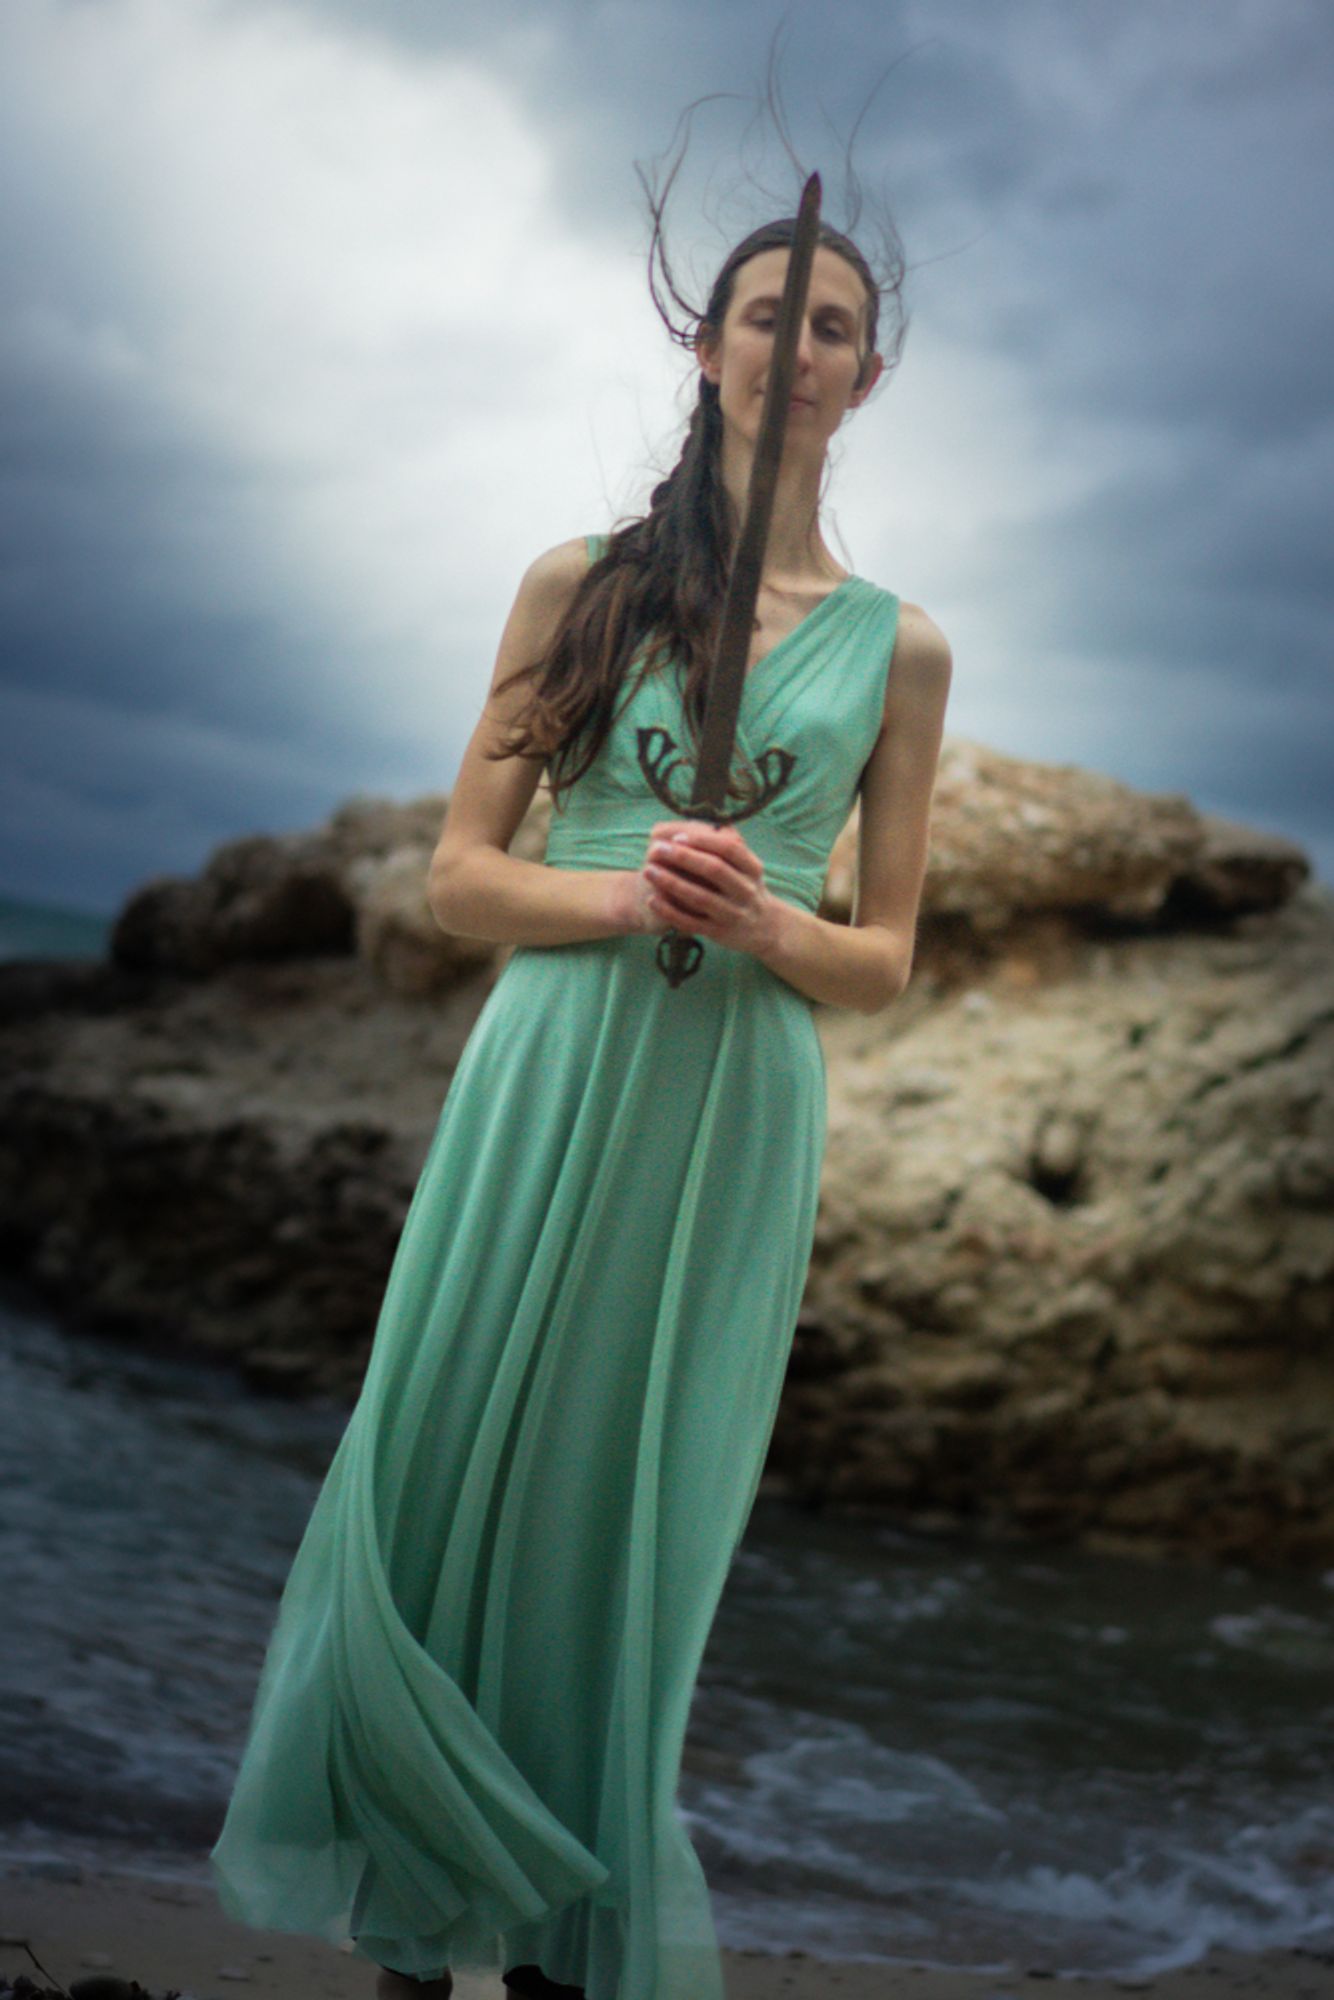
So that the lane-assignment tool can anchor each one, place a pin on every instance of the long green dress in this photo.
(467, 1735)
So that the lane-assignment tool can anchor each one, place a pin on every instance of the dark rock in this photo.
(1073, 1270)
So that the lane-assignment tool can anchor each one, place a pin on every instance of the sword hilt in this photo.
(679, 953)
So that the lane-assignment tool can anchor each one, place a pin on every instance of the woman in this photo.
(467, 1736)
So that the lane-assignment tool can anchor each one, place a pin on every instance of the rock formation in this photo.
(1074, 1269)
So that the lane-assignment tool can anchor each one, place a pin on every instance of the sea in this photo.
(906, 1747)
(42, 930)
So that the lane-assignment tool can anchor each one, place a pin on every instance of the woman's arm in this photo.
(705, 879)
(476, 888)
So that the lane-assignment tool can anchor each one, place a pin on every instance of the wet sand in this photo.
(168, 1936)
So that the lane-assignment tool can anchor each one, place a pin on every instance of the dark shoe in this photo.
(532, 1983)
(437, 1980)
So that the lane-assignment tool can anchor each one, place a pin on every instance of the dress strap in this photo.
(888, 636)
(881, 635)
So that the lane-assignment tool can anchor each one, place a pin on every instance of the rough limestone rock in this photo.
(357, 884)
(223, 1163)
(260, 898)
(1075, 1259)
(272, 896)
(397, 936)
(1074, 1269)
(1011, 839)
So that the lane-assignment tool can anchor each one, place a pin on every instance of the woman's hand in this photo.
(705, 880)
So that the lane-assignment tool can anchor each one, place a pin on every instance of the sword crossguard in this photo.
(660, 760)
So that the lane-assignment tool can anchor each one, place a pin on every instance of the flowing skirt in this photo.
(467, 1735)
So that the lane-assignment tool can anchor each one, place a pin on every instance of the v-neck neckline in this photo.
(800, 626)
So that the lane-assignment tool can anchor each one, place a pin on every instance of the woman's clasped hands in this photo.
(705, 880)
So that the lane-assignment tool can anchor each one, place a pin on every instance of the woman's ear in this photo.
(872, 368)
(706, 352)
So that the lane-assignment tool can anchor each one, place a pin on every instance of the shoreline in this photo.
(171, 1935)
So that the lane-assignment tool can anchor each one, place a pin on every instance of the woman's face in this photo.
(829, 351)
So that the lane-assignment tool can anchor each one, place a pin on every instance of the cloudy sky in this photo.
(320, 318)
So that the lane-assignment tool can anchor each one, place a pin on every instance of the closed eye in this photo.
(829, 329)
(837, 329)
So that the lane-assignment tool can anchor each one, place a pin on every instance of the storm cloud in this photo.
(319, 321)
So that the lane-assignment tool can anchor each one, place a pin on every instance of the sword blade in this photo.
(727, 676)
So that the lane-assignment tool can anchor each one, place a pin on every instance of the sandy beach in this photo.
(173, 1936)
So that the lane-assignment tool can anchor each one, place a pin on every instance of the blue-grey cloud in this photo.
(318, 318)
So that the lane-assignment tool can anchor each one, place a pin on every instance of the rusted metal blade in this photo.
(679, 955)
(728, 674)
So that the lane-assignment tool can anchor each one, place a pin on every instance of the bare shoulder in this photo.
(921, 650)
(920, 667)
(552, 578)
(546, 591)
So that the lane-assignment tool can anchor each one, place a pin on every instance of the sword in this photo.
(678, 954)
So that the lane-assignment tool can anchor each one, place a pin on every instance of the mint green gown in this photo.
(466, 1738)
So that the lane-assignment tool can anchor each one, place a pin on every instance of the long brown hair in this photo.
(660, 583)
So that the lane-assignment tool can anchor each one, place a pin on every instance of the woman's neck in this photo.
(795, 555)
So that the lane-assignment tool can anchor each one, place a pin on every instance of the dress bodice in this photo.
(818, 696)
